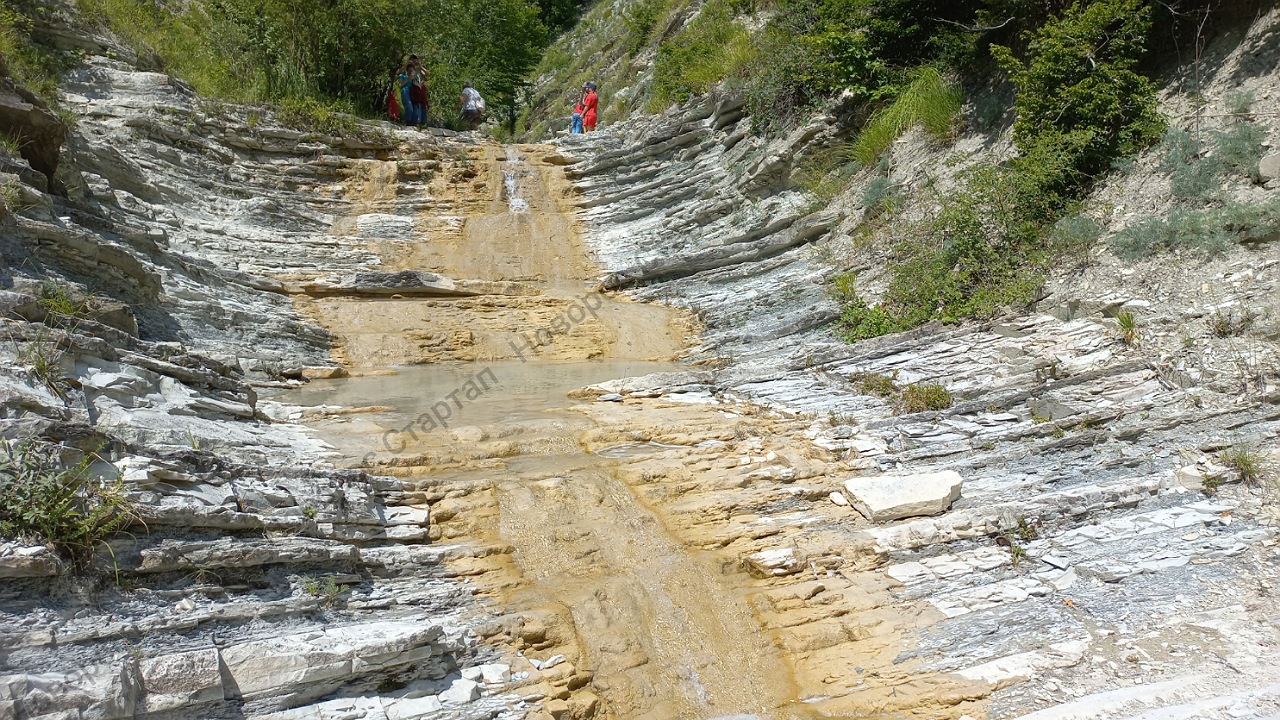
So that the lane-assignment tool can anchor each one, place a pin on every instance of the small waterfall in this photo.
(511, 184)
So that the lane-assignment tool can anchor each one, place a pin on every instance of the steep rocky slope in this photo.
(679, 545)
(1083, 572)
(261, 578)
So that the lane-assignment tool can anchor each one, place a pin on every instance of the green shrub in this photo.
(1196, 179)
(1208, 232)
(1075, 235)
(929, 100)
(42, 500)
(1177, 149)
(1080, 78)
(858, 321)
(878, 384)
(639, 19)
(923, 397)
(881, 195)
(1239, 148)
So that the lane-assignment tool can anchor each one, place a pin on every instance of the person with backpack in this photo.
(589, 107)
(472, 106)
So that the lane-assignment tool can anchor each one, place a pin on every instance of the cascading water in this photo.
(511, 183)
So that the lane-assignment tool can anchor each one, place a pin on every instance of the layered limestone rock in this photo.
(145, 315)
(1083, 563)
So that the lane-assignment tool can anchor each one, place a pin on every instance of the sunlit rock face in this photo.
(1081, 563)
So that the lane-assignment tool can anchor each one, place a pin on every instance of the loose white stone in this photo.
(462, 691)
(890, 497)
(495, 673)
(838, 498)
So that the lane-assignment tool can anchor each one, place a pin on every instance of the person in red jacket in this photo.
(589, 102)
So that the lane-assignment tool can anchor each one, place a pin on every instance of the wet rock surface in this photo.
(261, 580)
(699, 543)
(1079, 569)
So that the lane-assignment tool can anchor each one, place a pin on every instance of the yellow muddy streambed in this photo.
(600, 531)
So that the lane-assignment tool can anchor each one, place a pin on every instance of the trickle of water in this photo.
(511, 183)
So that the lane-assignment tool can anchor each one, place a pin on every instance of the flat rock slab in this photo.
(891, 497)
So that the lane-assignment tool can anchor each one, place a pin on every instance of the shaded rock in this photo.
(39, 132)
(406, 282)
(19, 561)
(891, 497)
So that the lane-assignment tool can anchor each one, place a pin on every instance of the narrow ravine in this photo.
(653, 622)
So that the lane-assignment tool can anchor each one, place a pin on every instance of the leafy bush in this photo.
(1080, 79)
(338, 52)
(858, 321)
(930, 100)
(42, 500)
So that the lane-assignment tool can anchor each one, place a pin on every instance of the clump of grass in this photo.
(930, 101)
(1246, 460)
(922, 397)
(913, 398)
(1230, 322)
(327, 588)
(42, 354)
(10, 197)
(57, 297)
(878, 384)
(1127, 327)
(9, 145)
(42, 500)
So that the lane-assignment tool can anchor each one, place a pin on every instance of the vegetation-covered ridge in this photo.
(336, 54)
(1084, 101)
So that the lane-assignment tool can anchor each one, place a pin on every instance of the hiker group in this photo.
(408, 102)
(585, 110)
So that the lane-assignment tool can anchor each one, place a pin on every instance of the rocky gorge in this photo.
(417, 425)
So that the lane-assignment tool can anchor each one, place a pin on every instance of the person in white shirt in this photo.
(472, 105)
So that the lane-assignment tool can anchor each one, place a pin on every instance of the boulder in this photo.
(891, 497)
(1269, 167)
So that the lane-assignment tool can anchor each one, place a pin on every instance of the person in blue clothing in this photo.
(411, 79)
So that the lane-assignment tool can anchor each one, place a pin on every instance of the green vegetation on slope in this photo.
(1081, 105)
(337, 54)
